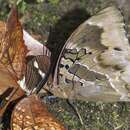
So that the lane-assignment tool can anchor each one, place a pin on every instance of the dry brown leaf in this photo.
(12, 60)
(9, 89)
(12, 48)
(30, 113)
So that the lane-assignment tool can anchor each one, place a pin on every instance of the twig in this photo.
(75, 110)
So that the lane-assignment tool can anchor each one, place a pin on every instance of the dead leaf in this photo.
(12, 48)
(12, 60)
(30, 113)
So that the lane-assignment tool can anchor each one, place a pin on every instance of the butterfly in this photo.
(93, 64)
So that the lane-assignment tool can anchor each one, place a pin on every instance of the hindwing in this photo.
(95, 59)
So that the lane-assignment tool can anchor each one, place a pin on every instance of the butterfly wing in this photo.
(37, 72)
(94, 63)
(34, 47)
(38, 65)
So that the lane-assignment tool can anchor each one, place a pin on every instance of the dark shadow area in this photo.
(63, 29)
(4, 95)
(6, 119)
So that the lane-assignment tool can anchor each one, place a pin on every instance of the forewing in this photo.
(38, 65)
(34, 47)
(94, 62)
(37, 72)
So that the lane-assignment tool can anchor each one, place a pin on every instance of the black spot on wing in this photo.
(117, 49)
(67, 66)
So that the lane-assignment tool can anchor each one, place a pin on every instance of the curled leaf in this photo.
(12, 60)
(12, 48)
